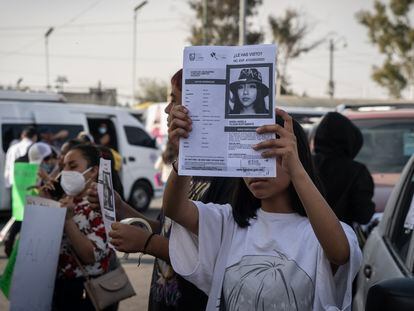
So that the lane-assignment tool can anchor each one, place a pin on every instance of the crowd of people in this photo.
(220, 243)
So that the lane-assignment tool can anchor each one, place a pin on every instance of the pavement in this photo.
(140, 277)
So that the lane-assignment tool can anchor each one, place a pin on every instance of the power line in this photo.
(92, 57)
(97, 24)
(71, 20)
(94, 33)
(33, 42)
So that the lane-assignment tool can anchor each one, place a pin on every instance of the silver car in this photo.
(389, 251)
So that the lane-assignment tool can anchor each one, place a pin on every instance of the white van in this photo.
(138, 149)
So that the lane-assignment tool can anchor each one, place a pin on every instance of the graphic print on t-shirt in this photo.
(267, 283)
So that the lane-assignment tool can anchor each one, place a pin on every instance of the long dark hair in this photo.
(258, 104)
(177, 79)
(245, 205)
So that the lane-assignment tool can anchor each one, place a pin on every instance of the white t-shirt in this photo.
(13, 153)
(276, 263)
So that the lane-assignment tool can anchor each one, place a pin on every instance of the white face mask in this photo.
(73, 182)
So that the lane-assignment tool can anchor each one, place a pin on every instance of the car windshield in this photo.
(388, 144)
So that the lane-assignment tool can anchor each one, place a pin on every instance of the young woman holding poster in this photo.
(277, 246)
(84, 232)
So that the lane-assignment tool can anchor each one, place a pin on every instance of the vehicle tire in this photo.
(141, 196)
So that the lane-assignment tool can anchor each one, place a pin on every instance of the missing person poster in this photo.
(106, 194)
(229, 92)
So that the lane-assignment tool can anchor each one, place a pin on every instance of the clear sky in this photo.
(92, 42)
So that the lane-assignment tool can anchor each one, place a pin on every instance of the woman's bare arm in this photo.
(325, 224)
(176, 204)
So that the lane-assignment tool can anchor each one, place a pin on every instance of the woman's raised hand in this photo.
(93, 198)
(284, 147)
(128, 238)
(180, 125)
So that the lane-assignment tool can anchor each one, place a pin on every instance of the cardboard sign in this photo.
(37, 258)
(25, 176)
(6, 278)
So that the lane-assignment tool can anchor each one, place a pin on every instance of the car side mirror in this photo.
(393, 294)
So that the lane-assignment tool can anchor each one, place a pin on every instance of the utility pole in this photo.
(331, 83)
(205, 22)
(332, 47)
(47, 34)
(134, 49)
(242, 22)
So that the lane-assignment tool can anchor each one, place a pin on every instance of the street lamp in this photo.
(242, 22)
(47, 34)
(134, 48)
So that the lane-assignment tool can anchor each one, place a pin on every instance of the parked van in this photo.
(138, 149)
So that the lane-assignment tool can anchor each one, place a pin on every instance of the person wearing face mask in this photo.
(84, 232)
(105, 139)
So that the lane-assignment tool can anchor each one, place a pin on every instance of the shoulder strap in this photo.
(78, 262)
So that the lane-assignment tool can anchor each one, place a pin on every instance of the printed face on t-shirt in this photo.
(263, 282)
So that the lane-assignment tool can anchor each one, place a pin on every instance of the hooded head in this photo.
(336, 135)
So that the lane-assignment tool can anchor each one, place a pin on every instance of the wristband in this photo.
(147, 242)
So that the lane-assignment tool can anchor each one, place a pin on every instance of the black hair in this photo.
(177, 78)
(220, 190)
(29, 132)
(245, 205)
(72, 143)
(258, 104)
(89, 152)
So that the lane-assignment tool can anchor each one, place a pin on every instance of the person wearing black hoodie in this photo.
(348, 184)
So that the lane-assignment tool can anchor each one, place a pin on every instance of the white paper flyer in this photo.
(229, 92)
(106, 194)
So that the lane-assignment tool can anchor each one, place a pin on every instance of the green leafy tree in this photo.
(289, 32)
(390, 29)
(152, 90)
(223, 22)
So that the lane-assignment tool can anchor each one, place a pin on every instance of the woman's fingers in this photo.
(175, 135)
(179, 123)
(272, 143)
(117, 243)
(114, 234)
(179, 112)
(288, 121)
(127, 238)
(272, 128)
(116, 225)
(92, 197)
(272, 153)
